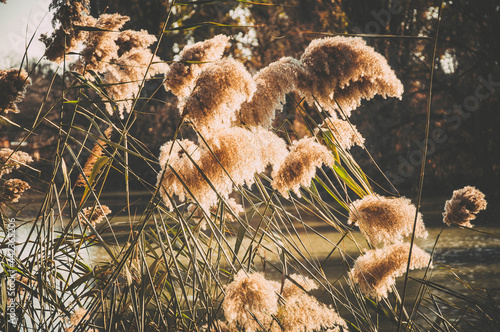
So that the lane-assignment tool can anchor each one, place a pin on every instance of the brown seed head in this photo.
(250, 296)
(299, 166)
(463, 206)
(12, 190)
(182, 75)
(377, 270)
(346, 70)
(386, 219)
(13, 85)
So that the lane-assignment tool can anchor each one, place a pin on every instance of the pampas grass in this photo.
(299, 167)
(463, 206)
(386, 219)
(376, 271)
(12, 88)
(227, 237)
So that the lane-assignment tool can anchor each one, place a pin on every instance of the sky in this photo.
(19, 20)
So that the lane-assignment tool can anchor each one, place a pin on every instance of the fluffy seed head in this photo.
(182, 75)
(377, 270)
(345, 134)
(13, 85)
(129, 40)
(98, 215)
(220, 90)
(348, 70)
(10, 160)
(12, 190)
(176, 155)
(126, 74)
(100, 46)
(272, 149)
(290, 289)
(78, 315)
(66, 38)
(385, 219)
(273, 83)
(298, 311)
(303, 313)
(123, 57)
(250, 293)
(299, 166)
(463, 206)
(231, 157)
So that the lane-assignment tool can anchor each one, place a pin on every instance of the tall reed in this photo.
(226, 239)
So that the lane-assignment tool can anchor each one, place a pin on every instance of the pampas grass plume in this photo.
(12, 190)
(345, 134)
(10, 160)
(126, 73)
(346, 70)
(463, 206)
(220, 90)
(300, 312)
(231, 157)
(273, 83)
(13, 85)
(299, 166)
(250, 293)
(182, 75)
(386, 219)
(95, 215)
(66, 38)
(377, 270)
(100, 46)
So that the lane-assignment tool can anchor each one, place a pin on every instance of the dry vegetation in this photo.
(227, 215)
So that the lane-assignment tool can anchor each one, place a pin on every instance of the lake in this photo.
(465, 260)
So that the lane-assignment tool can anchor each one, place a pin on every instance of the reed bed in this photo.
(224, 241)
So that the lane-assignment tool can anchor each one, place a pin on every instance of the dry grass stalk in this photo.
(13, 85)
(231, 204)
(24, 282)
(377, 270)
(95, 154)
(386, 219)
(463, 206)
